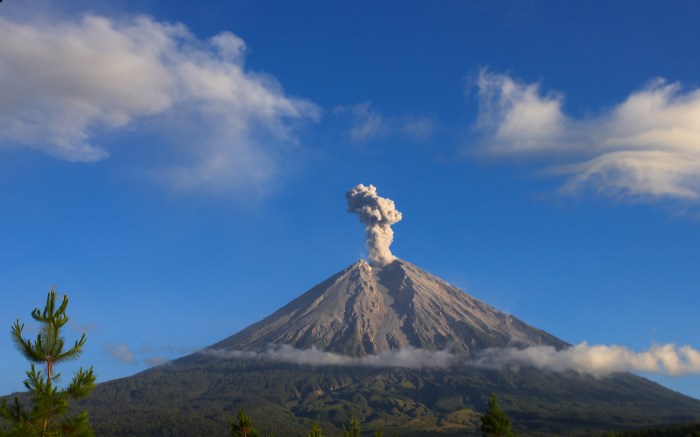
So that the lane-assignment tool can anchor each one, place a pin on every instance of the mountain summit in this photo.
(370, 309)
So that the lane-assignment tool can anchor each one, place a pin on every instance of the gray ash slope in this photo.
(367, 310)
(364, 311)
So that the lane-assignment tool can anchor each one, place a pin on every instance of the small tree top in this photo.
(48, 348)
(315, 430)
(47, 412)
(243, 427)
(495, 422)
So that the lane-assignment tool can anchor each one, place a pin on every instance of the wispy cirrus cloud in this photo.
(81, 328)
(146, 353)
(65, 81)
(367, 123)
(646, 147)
(122, 353)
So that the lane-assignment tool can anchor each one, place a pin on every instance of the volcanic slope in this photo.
(363, 311)
(367, 310)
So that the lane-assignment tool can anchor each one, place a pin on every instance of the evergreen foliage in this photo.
(495, 422)
(243, 427)
(353, 429)
(679, 430)
(379, 432)
(49, 405)
(316, 430)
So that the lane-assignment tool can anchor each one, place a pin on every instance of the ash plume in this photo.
(377, 214)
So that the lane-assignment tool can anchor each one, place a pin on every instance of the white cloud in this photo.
(645, 147)
(654, 173)
(368, 123)
(598, 360)
(121, 353)
(516, 117)
(65, 81)
(411, 358)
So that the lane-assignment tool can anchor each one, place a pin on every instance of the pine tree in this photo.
(495, 422)
(49, 405)
(243, 427)
(353, 429)
(316, 430)
(379, 432)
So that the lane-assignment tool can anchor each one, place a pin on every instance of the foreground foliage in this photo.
(316, 430)
(353, 429)
(243, 426)
(48, 415)
(495, 422)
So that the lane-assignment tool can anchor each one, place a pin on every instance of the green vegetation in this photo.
(243, 427)
(686, 430)
(316, 430)
(379, 432)
(353, 429)
(495, 422)
(198, 395)
(48, 415)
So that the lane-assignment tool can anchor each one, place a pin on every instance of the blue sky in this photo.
(179, 168)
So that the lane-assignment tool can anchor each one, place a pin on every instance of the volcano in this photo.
(365, 311)
(368, 310)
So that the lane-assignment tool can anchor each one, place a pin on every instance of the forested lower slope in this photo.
(198, 397)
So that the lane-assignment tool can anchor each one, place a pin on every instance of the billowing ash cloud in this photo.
(409, 358)
(597, 360)
(377, 214)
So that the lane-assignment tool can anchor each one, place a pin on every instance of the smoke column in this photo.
(377, 214)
